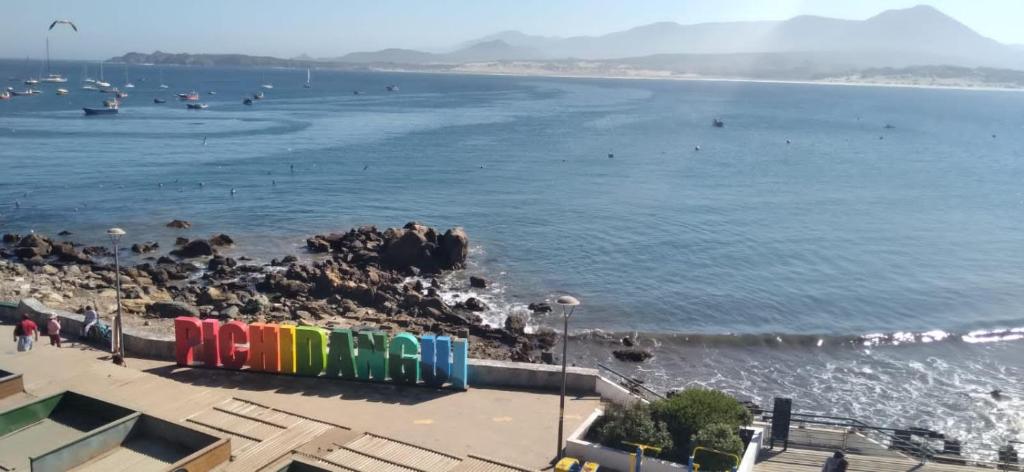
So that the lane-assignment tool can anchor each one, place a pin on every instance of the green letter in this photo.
(341, 357)
(310, 350)
(373, 355)
(404, 359)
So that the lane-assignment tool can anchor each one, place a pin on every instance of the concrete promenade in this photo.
(516, 427)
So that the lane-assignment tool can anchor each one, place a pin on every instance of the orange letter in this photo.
(263, 347)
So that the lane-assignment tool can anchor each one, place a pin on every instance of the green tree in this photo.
(690, 411)
(633, 423)
(719, 440)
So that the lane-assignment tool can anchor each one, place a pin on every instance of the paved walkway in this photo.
(801, 460)
(509, 426)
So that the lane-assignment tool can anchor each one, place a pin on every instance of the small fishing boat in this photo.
(189, 96)
(163, 86)
(120, 94)
(100, 83)
(357, 92)
(889, 126)
(257, 96)
(717, 123)
(129, 85)
(90, 87)
(159, 100)
(196, 106)
(25, 93)
(211, 92)
(392, 88)
(267, 86)
(110, 107)
(247, 101)
(62, 91)
(5, 95)
(31, 81)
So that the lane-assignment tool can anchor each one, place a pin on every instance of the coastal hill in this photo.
(903, 43)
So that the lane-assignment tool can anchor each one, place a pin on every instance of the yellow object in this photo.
(566, 464)
(591, 467)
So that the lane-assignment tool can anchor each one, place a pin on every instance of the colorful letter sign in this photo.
(305, 350)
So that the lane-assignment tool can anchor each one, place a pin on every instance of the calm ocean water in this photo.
(912, 233)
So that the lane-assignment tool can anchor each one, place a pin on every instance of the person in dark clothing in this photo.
(836, 463)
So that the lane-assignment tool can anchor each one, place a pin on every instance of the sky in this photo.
(331, 28)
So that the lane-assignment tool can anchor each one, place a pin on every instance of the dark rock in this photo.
(194, 248)
(165, 260)
(171, 309)
(218, 262)
(541, 307)
(406, 249)
(474, 304)
(26, 253)
(318, 245)
(33, 245)
(515, 324)
(221, 240)
(231, 311)
(180, 241)
(96, 251)
(546, 338)
(66, 252)
(632, 355)
(627, 341)
(289, 259)
(9, 238)
(547, 357)
(455, 248)
(144, 248)
(477, 282)
(64, 233)
(180, 224)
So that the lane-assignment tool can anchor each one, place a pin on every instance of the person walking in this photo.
(53, 330)
(25, 332)
(836, 463)
(91, 318)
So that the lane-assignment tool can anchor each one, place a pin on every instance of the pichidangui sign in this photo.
(305, 350)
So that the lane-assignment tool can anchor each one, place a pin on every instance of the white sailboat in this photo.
(127, 83)
(101, 83)
(51, 78)
(162, 84)
(308, 84)
(266, 85)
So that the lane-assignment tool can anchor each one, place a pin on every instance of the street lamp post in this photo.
(568, 306)
(117, 340)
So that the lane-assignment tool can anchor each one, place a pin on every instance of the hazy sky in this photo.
(330, 28)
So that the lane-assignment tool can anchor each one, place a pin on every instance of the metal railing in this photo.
(634, 385)
(901, 441)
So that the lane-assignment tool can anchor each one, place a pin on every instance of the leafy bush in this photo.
(691, 411)
(718, 437)
(633, 423)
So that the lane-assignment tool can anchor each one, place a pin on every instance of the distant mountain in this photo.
(914, 36)
(492, 50)
(186, 59)
(392, 56)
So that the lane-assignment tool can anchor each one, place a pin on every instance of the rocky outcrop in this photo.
(179, 224)
(171, 309)
(221, 240)
(145, 248)
(632, 355)
(477, 282)
(541, 307)
(194, 248)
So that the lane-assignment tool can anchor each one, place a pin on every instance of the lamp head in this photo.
(115, 233)
(567, 301)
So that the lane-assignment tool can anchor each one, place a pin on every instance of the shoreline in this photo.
(671, 78)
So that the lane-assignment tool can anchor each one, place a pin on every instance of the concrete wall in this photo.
(10, 384)
(71, 324)
(80, 451)
(504, 374)
(615, 393)
(749, 458)
(483, 373)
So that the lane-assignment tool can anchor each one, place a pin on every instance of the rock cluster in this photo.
(363, 278)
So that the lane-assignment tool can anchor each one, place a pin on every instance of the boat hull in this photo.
(99, 111)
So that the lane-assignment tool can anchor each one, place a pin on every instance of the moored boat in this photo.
(5, 95)
(62, 91)
(159, 100)
(717, 123)
(190, 96)
(31, 81)
(257, 96)
(110, 107)
(247, 101)
(54, 79)
(24, 93)
(392, 88)
(196, 106)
